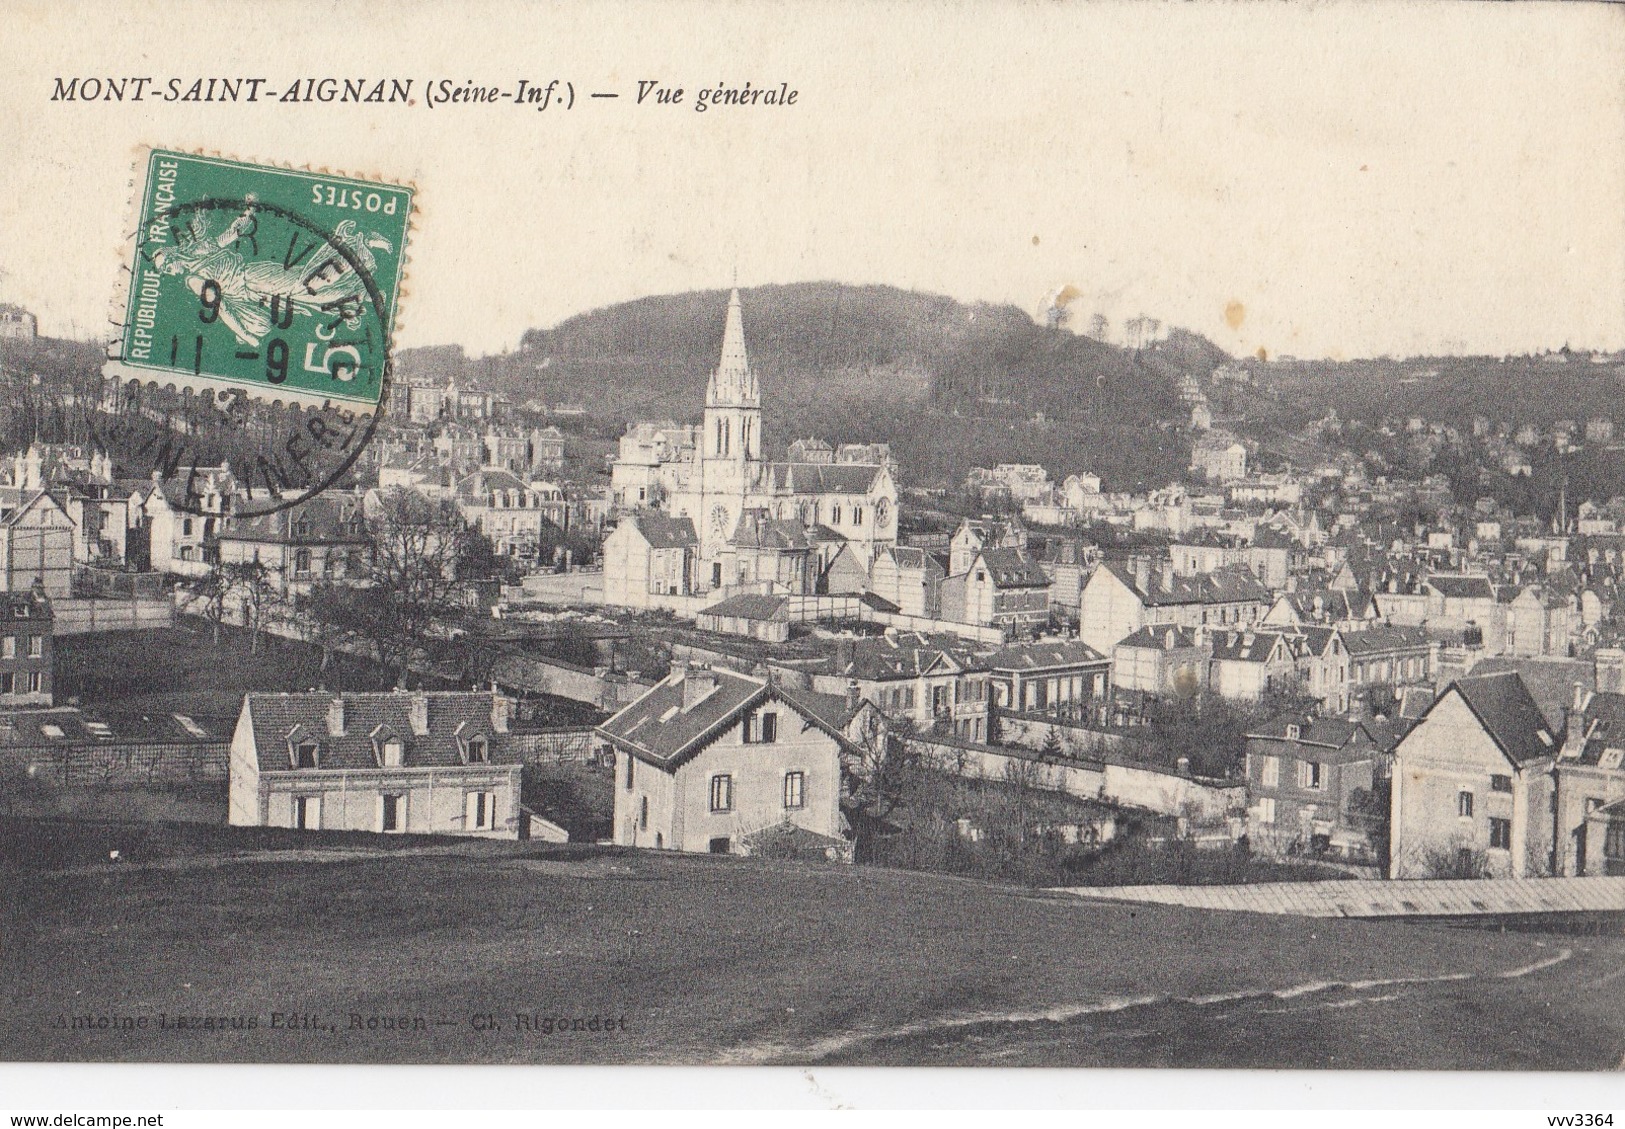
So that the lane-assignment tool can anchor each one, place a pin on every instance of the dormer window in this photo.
(478, 751)
(389, 750)
(305, 753)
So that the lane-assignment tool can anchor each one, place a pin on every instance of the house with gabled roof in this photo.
(1248, 664)
(1351, 610)
(1121, 597)
(1004, 588)
(649, 553)
(1472, 785)
(425, 763)
(909, 577)
(769, 552)
(1163, 660)
(36, 542)
(323, 538)
(719, 762)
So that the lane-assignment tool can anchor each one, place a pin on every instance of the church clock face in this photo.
(719, 521)
(883, 514)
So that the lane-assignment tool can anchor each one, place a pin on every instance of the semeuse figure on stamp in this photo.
(249, 296)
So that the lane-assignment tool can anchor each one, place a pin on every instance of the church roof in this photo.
(767, 533)
(821, 478)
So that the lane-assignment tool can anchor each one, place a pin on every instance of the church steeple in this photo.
(733, 384)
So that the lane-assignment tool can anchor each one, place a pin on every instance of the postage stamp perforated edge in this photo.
(210, 385)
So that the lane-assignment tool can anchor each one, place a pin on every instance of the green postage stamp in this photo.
(274, 283)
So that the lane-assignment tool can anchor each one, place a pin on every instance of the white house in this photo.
(712, 761)
(426, 763)
(1472, 785)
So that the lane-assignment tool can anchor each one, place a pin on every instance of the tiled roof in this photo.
(52, 725)
(1334, 604)
(1462, 587)
(325, 519)
(487, 479)
(1509, 715)
(1164, 589)
(24, 607)
(1381, 640)
(663, 531)
(1245, 646)
(1012, 568)
(896, 656)
(657, 728)
(1314, 641)
(1160, 637)
(452, 717)
(748, 606)
(1332, 732)
(1043, 655)
(757, 532)
(822, 478)
(1270, 537)
(914, 558)
(1603, 733)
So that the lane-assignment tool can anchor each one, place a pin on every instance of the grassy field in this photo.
(695, 959)
(125, 674)
(182, 670)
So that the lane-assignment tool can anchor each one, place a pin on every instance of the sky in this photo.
(1327, 179)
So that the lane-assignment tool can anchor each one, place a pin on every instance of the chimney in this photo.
(1165, 578)
(1183, 766)
(1142, 574)
(852, 697)
(1581, 698)
(335, 718)
(502, 710)
(845, 652)
(697, 686)
(417, 712)
(679, 671)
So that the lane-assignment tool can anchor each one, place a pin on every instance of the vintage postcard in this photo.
(988, 535)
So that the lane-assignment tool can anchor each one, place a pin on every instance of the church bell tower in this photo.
(731, 442)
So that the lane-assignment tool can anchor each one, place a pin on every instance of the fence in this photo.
(75, 616)
(548, 676)
(1102, 776)
(119, 764)
(108, 583)
(551, 746)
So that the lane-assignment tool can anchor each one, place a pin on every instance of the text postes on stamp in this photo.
(255, 334)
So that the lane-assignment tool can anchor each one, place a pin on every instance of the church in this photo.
(756, 525)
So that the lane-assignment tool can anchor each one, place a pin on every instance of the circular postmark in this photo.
(253, 364)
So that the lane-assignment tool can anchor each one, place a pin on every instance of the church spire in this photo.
(733, 383)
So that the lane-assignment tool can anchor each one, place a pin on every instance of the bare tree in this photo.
(886, 761)
(255, 590)
(402, 599)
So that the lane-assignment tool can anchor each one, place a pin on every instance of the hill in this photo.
(700, 959)
(869, 363)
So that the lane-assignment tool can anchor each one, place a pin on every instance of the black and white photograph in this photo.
(819, 535)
